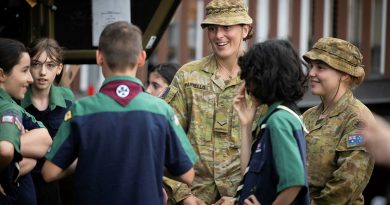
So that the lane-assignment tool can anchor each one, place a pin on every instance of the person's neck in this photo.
(329, 101)
(40, 98)
(122, 72)
(228, 66)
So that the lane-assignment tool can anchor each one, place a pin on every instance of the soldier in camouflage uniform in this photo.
(338, 165)
(202, 93)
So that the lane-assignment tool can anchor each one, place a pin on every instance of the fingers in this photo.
(251, 200)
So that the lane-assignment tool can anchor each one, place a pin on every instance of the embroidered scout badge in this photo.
(68, 116)
(122, 91)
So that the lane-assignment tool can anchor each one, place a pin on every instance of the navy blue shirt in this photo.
(123, 138)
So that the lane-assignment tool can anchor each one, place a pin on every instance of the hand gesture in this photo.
(246, 108)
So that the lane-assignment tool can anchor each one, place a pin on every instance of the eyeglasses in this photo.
(38, 65)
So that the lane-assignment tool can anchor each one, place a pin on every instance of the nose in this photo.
(43, 70)
(219, 32)
(149, 89)
(312, 71)
(29, 78)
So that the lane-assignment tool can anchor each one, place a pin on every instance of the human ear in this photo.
(60, 67)
(141, 59)
(99, 58)
(2, 75)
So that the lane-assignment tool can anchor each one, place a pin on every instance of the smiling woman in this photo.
(202, 93)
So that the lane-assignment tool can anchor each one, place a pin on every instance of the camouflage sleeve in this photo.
(176, 98)
(355, 167)
(177, 190)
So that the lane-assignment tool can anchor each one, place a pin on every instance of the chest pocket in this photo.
(202, 115)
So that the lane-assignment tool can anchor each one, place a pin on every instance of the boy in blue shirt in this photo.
(122, 137)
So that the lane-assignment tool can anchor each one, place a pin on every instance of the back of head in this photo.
(48, 45)
(10, 53)
(120, 43)
(166, 70)
(273, 72)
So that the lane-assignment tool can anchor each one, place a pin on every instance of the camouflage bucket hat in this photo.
(339, 54)
(226, 13)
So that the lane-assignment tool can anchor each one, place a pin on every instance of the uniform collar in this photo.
(55, 98)
(340, 105)
(125, 78)
(270, 110)
(5, 96)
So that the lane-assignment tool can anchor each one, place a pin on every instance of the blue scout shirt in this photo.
(13, 120)
(60, 100)
(278, 157)
(123, 138)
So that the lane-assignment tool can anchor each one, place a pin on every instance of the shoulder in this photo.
(66, 93)
(283, 119)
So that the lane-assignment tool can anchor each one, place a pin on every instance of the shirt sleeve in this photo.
(62, 151)
(354, 170)
(287, 157)
(177, 100)
(11, 127)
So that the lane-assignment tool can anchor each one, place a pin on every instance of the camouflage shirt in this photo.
(338, 165)
(203, 103)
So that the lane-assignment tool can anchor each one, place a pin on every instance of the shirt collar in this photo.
(270, 110)
(340, 104)
(129, 78)
(5, 96)
(55, 98)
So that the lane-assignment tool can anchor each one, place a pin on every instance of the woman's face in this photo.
(17, 81)
(324, 80)
(226, 40)
(157, 84)
(44, 70)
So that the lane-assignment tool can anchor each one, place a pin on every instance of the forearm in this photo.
(287, 196)
(246, 141)
(6, 154)
(35, 143)
(26, 165)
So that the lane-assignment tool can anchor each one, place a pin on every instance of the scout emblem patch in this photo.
(258, 148)
(122, 91)
(8, 119)
(68, 115)
(355, 140)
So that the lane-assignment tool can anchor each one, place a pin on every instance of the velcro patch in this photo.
(355, 140)
(8, 119)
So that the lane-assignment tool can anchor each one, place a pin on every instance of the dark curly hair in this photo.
(273, 72)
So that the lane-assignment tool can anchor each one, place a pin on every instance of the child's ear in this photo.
(141, 59)
(2, 75)
(60, 67)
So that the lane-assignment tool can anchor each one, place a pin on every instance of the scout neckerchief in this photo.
(122, 91)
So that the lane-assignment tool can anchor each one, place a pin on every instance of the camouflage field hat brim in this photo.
(226, 13)
(339, 54)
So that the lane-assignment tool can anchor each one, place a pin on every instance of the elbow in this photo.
(6, 152)
(189, 176)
